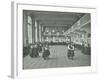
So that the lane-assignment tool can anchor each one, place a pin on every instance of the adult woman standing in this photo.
(70, 53)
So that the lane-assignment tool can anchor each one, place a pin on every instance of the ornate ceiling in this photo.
(56, 19)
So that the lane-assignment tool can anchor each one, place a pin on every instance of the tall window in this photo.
(29, 25)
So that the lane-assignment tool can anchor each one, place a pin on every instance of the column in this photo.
(25, 30)
(37, 31)
(29, 25)
(33, 29)
(40, 32)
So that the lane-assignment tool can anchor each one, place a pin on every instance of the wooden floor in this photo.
(58, 58)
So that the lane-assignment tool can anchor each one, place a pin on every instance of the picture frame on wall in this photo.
(52, 40)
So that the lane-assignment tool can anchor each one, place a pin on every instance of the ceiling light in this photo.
(53, 30)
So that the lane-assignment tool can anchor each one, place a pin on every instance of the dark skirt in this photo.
(70, 53)
(46, 53)
(34, 52)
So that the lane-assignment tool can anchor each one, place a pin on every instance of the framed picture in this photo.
(52, 39)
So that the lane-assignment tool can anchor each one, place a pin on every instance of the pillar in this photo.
(25, 29)
(42, 37)
(33, 29)
(37, 31)
(40, 32)
(29, 26)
